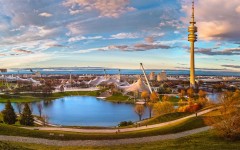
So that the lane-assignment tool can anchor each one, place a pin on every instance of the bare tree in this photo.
(19, 108)
(62, 88)
(45, 120)
(40, 108)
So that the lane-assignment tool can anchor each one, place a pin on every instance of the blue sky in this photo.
(118, 33)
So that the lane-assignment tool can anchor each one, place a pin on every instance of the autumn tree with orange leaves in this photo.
(227, 124)
(139, 110)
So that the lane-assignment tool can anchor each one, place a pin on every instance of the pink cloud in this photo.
(216, 19)
(106, 8)
(22, 51)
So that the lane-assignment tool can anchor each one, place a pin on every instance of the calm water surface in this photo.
(85, 111)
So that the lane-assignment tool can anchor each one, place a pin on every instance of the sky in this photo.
(118, 34)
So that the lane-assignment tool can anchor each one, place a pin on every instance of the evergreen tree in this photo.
(9, 115)
(26, 116)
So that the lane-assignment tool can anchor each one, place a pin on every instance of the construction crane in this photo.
(150, 89)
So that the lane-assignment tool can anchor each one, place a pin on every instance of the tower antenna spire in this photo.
(193, 9)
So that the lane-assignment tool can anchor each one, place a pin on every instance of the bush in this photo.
(125, 123)
(191, 108)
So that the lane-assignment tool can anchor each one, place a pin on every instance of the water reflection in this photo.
(214, 97)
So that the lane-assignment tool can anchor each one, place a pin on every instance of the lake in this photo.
(85, 111)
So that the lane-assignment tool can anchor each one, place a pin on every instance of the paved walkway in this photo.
(121, 130)
(101, 142)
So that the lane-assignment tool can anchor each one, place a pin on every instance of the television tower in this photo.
(192, 38)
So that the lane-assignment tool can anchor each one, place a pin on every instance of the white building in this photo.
(162, 76)
(152, 76)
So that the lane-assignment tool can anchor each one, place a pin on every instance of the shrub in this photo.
(125, 123)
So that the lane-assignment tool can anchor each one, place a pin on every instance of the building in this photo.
(37, 74)
(192, 38)
(162, 76)
(152, 76)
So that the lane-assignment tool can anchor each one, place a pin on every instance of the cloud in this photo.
(45, 14)
(149, 39)
(225, 59)
(144, 47)
(30, 33)
(232, 66)
(127, 48)
(178, 24)
(181, 64)
(215, 51)
(53, 44)
(139, 22)
(22, 51)
(227, 52)
(238, 9)
(202, 69)
(138, 47)
(80, 38)
(125, 36)
(105, 8)
(216, 19)
(153, 37)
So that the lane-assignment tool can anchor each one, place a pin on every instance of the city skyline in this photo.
(118, 34)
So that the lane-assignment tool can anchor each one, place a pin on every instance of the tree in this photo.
(9, 115)
(45, 120)
(202, 94)
(61, 88)
(150, 108)
(165, 98)
(165, 107)
(190, 93)
(139, 110)
(154, 97)
(227, 124)
(182, 93)
(193, 108)
(48, 88)
(145, 95)
(26, 116)
(202, 97)
(150, 103)
(40, 108)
